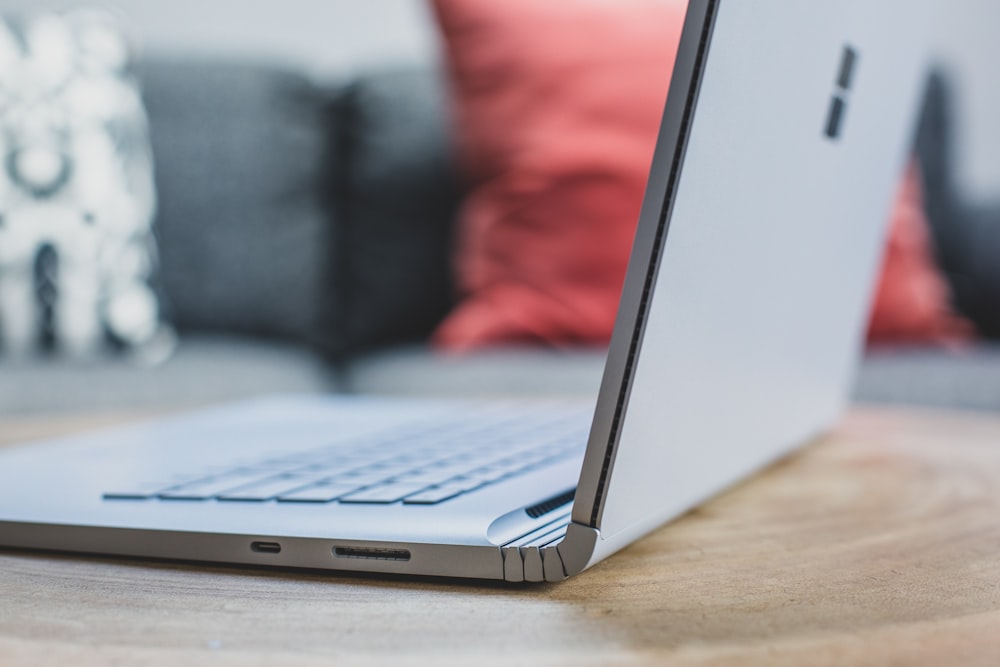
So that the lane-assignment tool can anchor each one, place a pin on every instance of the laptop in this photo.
(785, 133)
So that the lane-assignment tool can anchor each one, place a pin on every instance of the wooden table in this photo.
(879, 545)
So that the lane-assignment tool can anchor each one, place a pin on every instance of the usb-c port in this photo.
(265, 547)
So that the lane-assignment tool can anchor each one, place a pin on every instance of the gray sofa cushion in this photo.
(524, 372)
(918, 377)
(241, 156)
(967, 240)
(968, 379)
(204, 370)
(976, 279)
(397, 199)
(207, 370)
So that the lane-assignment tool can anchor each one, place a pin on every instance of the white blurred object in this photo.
(132, 313)
(51, 47)
(101, 45)
(10, 52)
(76, 192)
(39, 168)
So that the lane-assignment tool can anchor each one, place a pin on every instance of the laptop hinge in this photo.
(577, 548)
(552, 557)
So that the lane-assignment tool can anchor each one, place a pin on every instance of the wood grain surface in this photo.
(879, 545)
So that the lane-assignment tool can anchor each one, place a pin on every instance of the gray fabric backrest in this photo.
(966, 238)
(397, 196)
(242, 160)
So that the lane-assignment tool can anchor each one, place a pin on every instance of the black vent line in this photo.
(847, 63)
(553, 503)
(835, 121)
(661, 232)
(838, 105)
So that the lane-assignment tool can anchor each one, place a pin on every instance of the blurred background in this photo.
(306, 196)
(332, 39)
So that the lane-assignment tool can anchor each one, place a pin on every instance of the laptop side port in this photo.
(371, 553)
(265, 547)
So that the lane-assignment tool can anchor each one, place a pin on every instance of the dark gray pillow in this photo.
(398, 195)
(967, 240)
(976, 278)
(241, 156)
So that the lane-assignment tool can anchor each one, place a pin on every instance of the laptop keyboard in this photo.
(421, 465)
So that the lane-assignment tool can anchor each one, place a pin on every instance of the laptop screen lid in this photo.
(786, 131)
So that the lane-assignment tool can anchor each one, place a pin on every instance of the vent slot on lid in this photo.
(553, 503)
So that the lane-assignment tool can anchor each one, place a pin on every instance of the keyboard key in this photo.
(434, 495)
(139, 492)
(318, 493)
(432, 476)
(269, 488)
(329, 469)
(209, 488)
(366, 478)
(383, 493)
(488, 475)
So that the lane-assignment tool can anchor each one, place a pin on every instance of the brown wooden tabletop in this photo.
(879, 545)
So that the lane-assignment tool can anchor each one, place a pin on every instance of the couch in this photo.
(305, 233)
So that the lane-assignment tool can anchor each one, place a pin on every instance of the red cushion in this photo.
(912, 304)
(557, 105)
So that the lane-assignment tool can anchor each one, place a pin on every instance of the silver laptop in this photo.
(783, 141)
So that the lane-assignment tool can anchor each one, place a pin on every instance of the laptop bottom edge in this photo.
(552, 559)
(320, 553)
